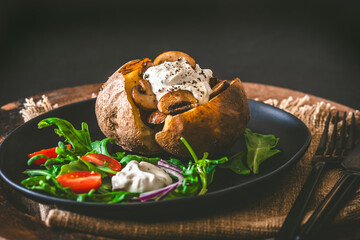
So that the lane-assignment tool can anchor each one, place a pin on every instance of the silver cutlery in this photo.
(338, 196)
(324, 156)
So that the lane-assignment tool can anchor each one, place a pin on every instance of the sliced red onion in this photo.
(163, 163)
(179, 176)
(164, 194)
(149, 195)
(170, 169)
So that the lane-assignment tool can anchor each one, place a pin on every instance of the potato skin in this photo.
(208, 128)
(119, 118)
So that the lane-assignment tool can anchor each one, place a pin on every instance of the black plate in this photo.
(294, 140)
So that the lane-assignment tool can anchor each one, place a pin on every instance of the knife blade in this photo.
(336, 198)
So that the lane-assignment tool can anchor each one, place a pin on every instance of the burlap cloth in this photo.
(259, 217)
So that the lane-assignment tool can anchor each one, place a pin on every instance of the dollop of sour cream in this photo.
(140, 177)
(179, 75)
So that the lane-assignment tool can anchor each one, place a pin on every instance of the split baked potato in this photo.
(127, 111)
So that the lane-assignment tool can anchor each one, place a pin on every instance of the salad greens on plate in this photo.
(80, 169)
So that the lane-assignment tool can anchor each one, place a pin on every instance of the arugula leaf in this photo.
(203, 167)
(191, 185)
(64, 152)
(105, 186)
(210, 171)
(79, 139)
(125, 160)
(38, 172)
(50, 185)
(118, 155)
(50, 162)
(81, 165)
(236, 164)
(197, 175)
(55, 169)
(74, 166)
(176, 162)
(100, 146)
(192, 182)
(259, 148)
(34, 158)
(109, 197)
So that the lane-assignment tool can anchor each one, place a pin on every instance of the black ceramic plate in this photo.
(227, 187)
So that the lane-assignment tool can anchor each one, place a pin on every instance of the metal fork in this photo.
(339, 194)
(321, 159)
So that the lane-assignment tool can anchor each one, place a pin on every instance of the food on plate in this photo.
(101, 160)
(147, 106)
(47, 152)
(140, 177)
(80, 182)
(86, 171)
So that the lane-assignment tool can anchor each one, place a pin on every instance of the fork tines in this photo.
(340, 145)
(323, 157)
(336, 143)
(351, 139)
(322, 144)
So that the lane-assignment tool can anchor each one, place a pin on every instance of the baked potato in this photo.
(127, 110)
(118, 116)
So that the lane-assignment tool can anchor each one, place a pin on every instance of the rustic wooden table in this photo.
(15, 223)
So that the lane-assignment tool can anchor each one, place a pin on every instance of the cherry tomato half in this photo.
(80, 182)
(50, 152)
(100, 159)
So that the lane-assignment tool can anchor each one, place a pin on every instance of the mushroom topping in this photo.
(172, 56)
(156, 118)
(177, 102)
(133, 65)
(145, 66)
(213, 81)
(143, 96)
(218, 88)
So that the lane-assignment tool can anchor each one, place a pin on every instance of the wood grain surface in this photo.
(15, 223)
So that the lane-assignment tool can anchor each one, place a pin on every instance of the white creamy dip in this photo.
(140, 177)
(179, 75)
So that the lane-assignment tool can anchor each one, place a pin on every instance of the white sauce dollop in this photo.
(179, 75)
(140, 177)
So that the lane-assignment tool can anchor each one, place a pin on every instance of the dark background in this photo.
(310, 46)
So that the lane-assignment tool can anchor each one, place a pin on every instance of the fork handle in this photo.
(297, 212)
(330, 206)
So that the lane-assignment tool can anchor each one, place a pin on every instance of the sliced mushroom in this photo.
(172, 56)
(133, 65)
(143, 96)
(218, 88)
(156, 118)
(177, 102)
(145, 66)
(213, 81)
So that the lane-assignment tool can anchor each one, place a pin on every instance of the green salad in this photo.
(80, 169)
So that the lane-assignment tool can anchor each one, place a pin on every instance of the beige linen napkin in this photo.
(259, 217)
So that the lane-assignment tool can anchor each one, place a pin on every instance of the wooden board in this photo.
(16, 224)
